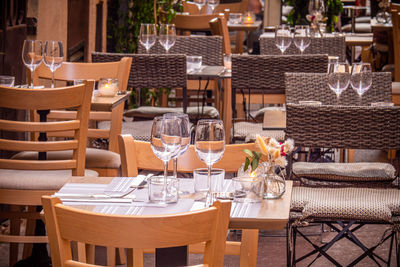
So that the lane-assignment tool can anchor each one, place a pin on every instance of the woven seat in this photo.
(248, 130)
(147, 112)
(329, 44)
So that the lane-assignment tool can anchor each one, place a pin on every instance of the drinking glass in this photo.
(332, 60)
(213, 4)
(32, 55)
(185, 136)
(283, 37)
(302, 37)
(165, 141)
(167, 36)
(338, 78)
(361, 78)
(53, 57)
(199, 4)
(147, 35)
(7, 80)
(210, 146)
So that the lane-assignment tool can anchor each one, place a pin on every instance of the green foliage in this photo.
(252, 160)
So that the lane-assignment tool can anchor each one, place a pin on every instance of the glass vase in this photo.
(274, 184)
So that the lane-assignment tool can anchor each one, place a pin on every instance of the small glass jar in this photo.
(108, 87)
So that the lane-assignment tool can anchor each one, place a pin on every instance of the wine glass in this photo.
(32, 55)
(213, 4)
(283, 37)
(53, 57)
(199, 4)
(361, 78)
(338, 78)
(165, 142)
(302, 38)
(210, 146)
(185, 134)
(147, 35)
(167, 36)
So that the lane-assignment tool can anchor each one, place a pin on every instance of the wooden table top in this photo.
(105, 103)
(245, 27)
(273, 213)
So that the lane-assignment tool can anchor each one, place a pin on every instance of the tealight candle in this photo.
(108, 86)
(248, 17)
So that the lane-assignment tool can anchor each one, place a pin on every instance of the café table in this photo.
(245, 27)
(268, 214)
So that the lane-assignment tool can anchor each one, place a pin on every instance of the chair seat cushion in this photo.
(364, 204)
(95, 158)
(396, 88)
(359, 27)
(140, 130)
(346, 172)
(36, 180)
(148, 112)
(248, 131)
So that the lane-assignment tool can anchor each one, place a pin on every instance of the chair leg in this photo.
(248, 249)
(120, 256)
(110, 256)
(29, 231)
(15, 225)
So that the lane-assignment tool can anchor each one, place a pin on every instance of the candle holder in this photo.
(249, 17)
(108, 87)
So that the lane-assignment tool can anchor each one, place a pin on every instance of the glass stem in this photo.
(175, 168)
(52, 79)
(32, 78)
(165, 179)
(209, 196)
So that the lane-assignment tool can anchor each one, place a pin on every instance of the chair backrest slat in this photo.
(39, 165)
(38, 146)
(22, 126)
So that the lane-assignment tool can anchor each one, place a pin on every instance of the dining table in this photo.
(269, 214)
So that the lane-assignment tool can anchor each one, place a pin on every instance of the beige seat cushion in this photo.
(147, 112)
(360, 27)
(365, 204)
(346, 172)
(95, 158)
(396, 88)
(36, 180)
(249, 130)
(140, 130)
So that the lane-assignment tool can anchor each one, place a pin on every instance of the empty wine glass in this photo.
(185, 136)
(199, 4)
(338, 78)
(32, 55)
(213, 4)
(210, 146)
(165, 142)
(53, 57)
(283, 37)
(302, 37)
(167, 36)
(147, 35)
(361, 78)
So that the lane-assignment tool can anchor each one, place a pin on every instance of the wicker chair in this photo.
(331, 45)
(345, 196)
(209, 47)
(263, 77)
(314, 86)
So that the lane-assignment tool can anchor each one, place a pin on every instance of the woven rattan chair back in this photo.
(314, 86)
(352, 127)
(331, 45)
(209, 47)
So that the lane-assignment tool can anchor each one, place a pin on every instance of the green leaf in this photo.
(254, 164)
(246, 164)
(248, 152)
(257, 155)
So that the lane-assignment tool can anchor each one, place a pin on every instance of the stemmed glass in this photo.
(199, 4)
(210, 146)
(165, 142)
(167, 36)
(338, 78)
(213, 4)
(147, 35)
(302, 38)
(361, 78)
(32, 55)
(283, 37)
(53, 57)
(185, 134)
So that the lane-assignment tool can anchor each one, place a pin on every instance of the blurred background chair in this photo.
(66, 224)
(137, 156)
(105, 161)
(186, 24)
(259, 80)
(23, 182)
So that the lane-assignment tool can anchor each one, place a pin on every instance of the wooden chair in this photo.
(185, 24)
(22, 182)
(219, 27)
(105, 162)
(233, 158)
(67, 224)
(238, 7)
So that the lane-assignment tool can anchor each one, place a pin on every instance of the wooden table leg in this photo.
(227, 107)
(248, 249)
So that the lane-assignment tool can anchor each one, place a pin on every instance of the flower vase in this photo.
(383, 16)
(316, 30)
(274, 184)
